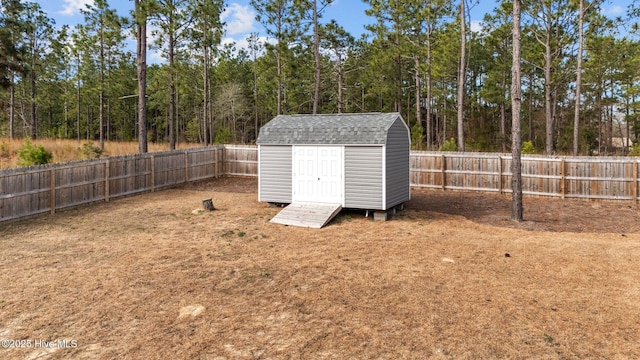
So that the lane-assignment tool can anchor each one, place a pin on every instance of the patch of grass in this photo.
(227, 233)
(241, 234)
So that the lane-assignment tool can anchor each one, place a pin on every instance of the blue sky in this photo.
(240, 16)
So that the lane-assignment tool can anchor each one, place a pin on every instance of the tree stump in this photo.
(207, 204)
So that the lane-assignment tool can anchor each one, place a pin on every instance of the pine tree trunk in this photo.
(461, 77)
(427, 104)
(516, 102)
(101, 117)
(418, 108)
(531, 109)
(34, 115)
(503, 131)
(101, 94)
(340, 81)
(142, 77)
(205, 96)
(548, 106)
(279, 62)
(172, 93)
(78, 110)
(12, 112)
(316, 55)
(576, 116)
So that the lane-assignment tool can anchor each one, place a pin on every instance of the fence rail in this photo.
(29, 191)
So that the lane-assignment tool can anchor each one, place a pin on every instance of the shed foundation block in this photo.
(380, 215)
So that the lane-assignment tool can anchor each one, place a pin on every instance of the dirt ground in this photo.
(451, 277)
(540, 213)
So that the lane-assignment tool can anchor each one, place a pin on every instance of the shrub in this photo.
(89, 151)
(635, 150)
(223, 136)
(30, 154)
(527, 148)
(449, 145)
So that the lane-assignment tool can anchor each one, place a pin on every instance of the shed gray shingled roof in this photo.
(344, 129)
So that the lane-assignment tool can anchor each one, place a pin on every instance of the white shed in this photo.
(357, 161)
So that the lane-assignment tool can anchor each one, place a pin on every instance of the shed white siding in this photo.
(363, 177)
(397, 163)
(275, 173)
(375, 162)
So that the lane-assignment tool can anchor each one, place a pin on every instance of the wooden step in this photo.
(312, 215)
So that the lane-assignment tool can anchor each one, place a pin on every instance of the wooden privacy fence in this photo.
(241, 160)
(47, 188)
(610, 178)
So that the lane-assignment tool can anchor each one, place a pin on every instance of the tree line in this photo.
(450, 82)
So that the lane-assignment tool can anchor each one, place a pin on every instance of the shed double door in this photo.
(318, 174)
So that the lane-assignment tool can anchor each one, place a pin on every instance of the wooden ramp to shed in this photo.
(312, 215)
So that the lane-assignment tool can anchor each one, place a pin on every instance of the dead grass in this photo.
(143, 277)
(70, 150)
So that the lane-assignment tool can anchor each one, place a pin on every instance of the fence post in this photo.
(500, 174)
(562, 178)
(186, 166)
(635, 181)
(443, 169)
(52, 194)
(153, 173)
(106, 180)
(223, 160)
(215, 162)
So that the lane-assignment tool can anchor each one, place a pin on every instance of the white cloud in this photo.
(243, 43)
(154, 56)
(228, 41)
(73, 7)
(476, 26)
(240, 19)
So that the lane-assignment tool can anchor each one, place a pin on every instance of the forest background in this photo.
(80, 81)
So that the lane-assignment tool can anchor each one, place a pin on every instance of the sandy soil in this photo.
(148, 277)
